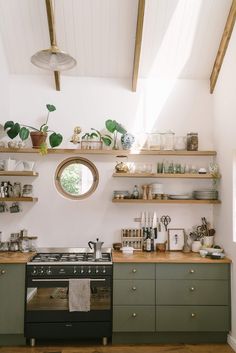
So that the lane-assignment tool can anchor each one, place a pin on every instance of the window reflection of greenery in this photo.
(71, 179)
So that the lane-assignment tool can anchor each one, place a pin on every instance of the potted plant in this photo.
(114, 127)
(95, 139)
(38, 136)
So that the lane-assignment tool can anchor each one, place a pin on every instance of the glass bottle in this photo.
(192, 141)
(135, 192)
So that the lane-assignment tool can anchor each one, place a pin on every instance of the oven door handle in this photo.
(66, 280)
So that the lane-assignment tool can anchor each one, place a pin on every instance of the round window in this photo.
(76, 178)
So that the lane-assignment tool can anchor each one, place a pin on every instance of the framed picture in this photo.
(175, 239)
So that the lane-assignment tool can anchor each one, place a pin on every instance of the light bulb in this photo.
(53, 63)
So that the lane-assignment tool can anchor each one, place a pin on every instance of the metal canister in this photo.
(192, 141)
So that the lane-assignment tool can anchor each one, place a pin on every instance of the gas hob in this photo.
(78, 256)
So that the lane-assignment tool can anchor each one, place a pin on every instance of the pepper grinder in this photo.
(149, 192)
(144, 187)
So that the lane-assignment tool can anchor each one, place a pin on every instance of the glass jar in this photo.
(32, 243)
(167, 141)
(154, 141)
(24, 244)
(180, 143)
(192, 141)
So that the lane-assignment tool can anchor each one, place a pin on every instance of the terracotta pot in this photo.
(38, 138)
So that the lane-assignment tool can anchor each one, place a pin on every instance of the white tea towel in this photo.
(79, 294)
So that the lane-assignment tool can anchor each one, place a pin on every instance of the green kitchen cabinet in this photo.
(12, 296)
(166, 302)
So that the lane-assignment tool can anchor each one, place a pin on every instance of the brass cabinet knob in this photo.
(193, 315)
(134, 315)
(192, 289)
(134, 270)
(134, 288)
(192, 270)
(3, 272)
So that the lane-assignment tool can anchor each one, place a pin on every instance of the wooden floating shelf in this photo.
(18, 173)
(163, 175)
(78, 151)
(167, 201)
(19, 199)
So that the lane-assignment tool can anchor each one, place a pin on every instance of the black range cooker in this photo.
(47, 314)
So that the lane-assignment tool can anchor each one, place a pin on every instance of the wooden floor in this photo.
(185, 348)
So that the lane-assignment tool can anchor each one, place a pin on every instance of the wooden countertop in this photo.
(163, 257)
(17, 257)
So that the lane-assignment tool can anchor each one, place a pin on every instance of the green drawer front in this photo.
(192, 271)
(192, 318)
(195, 292)
(134, 271)
(134, 292)
(134, 319)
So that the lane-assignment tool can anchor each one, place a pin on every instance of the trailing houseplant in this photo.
(38, 136)
(96, 135)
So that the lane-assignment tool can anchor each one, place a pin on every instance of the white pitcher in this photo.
(11, 164)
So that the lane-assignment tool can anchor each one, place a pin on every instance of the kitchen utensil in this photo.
(97, 248)
(165, 220)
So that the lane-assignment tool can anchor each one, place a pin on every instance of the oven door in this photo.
(47, 301)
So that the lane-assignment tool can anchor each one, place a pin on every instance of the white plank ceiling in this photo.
(180, 38)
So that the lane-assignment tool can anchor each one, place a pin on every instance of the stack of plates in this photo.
(207, 194)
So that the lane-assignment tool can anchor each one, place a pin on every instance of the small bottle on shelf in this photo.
(135, 192)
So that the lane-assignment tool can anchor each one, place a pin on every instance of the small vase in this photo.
(127, 141)
(38, 138)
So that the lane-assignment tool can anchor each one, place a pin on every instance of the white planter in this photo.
(196, 245)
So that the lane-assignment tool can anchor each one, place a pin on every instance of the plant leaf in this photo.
(107, 141)
(24, 133)
(44, 128)
(8, 124)
(55, 139)
(13, 131)
(110, 125)
(120, 128)
(93, 134)
(50, 107)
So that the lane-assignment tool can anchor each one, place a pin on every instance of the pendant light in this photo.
(52, 58)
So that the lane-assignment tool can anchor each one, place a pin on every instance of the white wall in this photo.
(224, 130)
(4, 87)
(183, 106)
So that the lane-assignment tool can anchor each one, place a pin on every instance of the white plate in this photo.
(180, 197)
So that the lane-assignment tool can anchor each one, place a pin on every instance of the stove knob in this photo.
(41, 271)
(89, 270)
(81, 271)
(34, 272)
(49, 272)
(74, 271)
(104, 271)
(97, 270)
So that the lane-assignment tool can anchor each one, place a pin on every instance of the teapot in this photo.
(121, 167)
(97, 247)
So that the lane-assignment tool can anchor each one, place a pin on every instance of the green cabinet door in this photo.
(134, 318)
(12, 289)
(134, 271)
(134, 292)
(192, 292)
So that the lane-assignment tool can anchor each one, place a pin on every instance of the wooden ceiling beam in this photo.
(52, 35)
(223, 46)
(138, 43)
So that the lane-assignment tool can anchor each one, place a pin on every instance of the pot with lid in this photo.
(97, 248)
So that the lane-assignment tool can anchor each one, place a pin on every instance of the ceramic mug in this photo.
(28, 165)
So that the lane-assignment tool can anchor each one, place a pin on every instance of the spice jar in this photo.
(192, 141)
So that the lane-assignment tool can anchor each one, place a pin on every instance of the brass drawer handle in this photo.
(3, 272)
(192, 289)
(192, 270)
(134, 315)
(134, 288)
(134, 270)
(193, 315)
